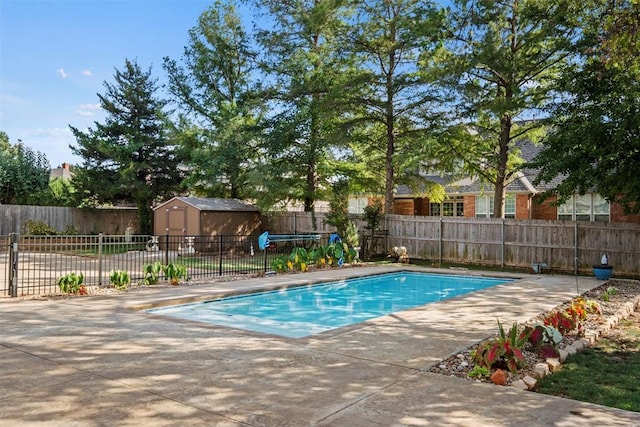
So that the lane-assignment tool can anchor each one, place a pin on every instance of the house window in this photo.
(585, 207)
(484, 206)
(357, 204)
(450, 207)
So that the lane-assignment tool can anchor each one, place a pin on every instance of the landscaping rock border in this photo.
(619, 307)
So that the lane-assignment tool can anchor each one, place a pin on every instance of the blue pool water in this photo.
(308, 310)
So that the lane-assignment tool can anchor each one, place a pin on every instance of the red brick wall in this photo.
(522, 206)
(616, 214)
(469, 206)
(544, 210)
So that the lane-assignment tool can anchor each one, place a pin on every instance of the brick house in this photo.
(468, 198)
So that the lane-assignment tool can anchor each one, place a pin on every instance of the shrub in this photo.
(279, 264)
(70, 230)
(38, 228)
(120, 279)
(151, 273)
(72, 283)
(174, 273)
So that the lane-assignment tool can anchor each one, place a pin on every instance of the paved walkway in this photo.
(97, 361)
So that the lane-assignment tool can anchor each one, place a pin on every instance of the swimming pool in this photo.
(308, 310)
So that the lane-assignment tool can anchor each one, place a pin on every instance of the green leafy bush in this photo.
(174, 273)
(38, 228)
(72, 283)
(152, 273)
(279, 264)
(70, 230)
(120, 279)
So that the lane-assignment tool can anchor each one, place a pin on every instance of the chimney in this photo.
(65, 166)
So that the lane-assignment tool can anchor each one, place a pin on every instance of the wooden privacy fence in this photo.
(85, 220)
(565, 246)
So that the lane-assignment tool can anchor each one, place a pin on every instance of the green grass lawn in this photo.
(607, 373)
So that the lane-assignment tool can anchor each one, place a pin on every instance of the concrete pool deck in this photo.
(97, 361)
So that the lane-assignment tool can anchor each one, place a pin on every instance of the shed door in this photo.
(177, 221)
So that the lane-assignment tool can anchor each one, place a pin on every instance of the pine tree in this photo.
(502, 61)
(128, 158)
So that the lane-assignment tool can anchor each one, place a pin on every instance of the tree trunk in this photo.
(390, 121)
(503, 158)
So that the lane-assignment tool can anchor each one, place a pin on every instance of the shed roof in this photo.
(215, 204)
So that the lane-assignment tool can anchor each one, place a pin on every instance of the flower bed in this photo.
(616, 300)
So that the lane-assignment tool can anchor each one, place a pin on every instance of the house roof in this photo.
(215, 204)
(521, 183)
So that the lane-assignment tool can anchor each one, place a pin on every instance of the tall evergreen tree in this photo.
(128, 158)
(304, 73)
(394, 104)
(214, 85)
(502, 62)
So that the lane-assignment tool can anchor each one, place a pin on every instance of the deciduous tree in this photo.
(594, 144)
(23, 172)
(215, 85)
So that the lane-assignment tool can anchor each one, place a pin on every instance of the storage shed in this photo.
(192, 216)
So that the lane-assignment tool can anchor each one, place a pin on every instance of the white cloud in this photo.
(87, 110)
(87, 73)
(48, 132)
(61, 72)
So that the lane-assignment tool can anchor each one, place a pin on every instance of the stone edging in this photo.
(553, 364)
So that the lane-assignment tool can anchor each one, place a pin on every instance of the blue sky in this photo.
(56, 54)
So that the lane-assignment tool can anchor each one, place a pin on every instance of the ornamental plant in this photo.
(506, 349)
(120, 279)
(335, 253)
(299, 259)
(318, 256)
(151, 273)
(544, 340)
(561, 321)
(174, 273)
(72, 283)
(279, 264)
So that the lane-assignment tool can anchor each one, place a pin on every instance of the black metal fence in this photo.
(31, 265)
